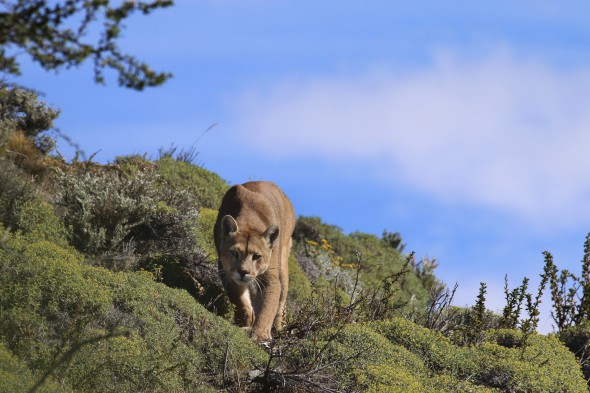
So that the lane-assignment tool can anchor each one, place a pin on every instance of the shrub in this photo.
(332, 359)
(204, 232)
(131, 165)
(530, 362)
(128, 218)
(101, 331)
(300, 287)
(25, 154)
(23, 119)
(570, 294)
(435, 349)
(440, 313)
(38, 219)
(15, 377)
(43, 300)
(21, 209)
(106, 209)
(328, 266)
(577, 339)
(127, 222)
(502, 361)
(381, 258)
(14, 192)
(21, 110)
(204, 185)
(367, 358)
(353, 357)
(473, 323)
(379, 378)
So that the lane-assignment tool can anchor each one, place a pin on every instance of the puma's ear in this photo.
(229, 226)
(271, 234)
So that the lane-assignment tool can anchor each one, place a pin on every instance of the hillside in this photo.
(109, 284)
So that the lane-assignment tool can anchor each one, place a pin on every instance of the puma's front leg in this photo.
(244, 313)
(267, 305)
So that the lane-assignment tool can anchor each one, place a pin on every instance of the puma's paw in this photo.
(260, 336)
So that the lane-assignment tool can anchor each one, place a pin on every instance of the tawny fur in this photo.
(253, 239)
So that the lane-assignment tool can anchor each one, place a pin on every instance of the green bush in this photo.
(107, 210)
(204, 232)
(577, 339)
(206, 186)
(503, 361)
(134, 164)
(436, 350)
(365, 361)
(21, 209)
(300, 287)
(128, 218)
(380, 378)
(38, 219)
(15, 190)
(112, 332)
(15, 377)
(369, 354)
(21, 110)
(380, 258)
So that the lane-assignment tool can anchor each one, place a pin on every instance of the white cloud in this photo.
(499, 132)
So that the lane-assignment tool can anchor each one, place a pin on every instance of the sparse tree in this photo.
(21, 110)
(65, 33)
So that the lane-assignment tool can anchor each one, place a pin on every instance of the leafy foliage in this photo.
(329, 348)
(59, 34)
(206, 186)
(107, 210)
(364, 357)
(24, 120)
(204, 231)
(381, 258)
(15, 190)
(570, 294)
(21, 110)
(499, 362)
(300, 288)
(130, 219)
(476, 318)
(101, 331)
(577, 339)
(15, 377)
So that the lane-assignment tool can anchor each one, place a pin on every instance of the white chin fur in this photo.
(247, 279)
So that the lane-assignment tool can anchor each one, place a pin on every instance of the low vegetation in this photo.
(108, 283)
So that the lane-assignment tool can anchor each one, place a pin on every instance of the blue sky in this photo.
(461, 124)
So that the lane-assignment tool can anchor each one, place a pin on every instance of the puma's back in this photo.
(253, 239)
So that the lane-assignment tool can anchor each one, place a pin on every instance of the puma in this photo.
(253, 238)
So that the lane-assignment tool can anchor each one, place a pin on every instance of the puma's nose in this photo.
(243, 272)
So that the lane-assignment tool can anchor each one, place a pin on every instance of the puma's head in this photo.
(244, 255)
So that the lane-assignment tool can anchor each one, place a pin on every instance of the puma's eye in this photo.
(256, 257)
(235, 254)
